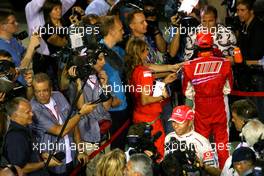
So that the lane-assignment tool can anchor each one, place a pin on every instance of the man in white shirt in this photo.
(51, 110)
(182, 123)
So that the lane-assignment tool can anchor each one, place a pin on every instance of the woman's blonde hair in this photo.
(134, 48)
(111, 164)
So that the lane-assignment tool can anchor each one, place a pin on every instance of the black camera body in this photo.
(140, 139)
(8, 83)
(21, 36)
(186, 158)
(83, 58)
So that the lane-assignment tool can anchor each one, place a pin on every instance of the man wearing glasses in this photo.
(20, 55)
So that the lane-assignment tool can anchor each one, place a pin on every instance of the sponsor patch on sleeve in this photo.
(208, 158)
(208, 155)
(147, 74)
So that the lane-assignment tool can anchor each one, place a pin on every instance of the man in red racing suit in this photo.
(207, 79)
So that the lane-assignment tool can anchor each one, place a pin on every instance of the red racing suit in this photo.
(206, 80)
(142, 78)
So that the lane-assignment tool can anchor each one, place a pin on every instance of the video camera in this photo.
(140, 139)
(82, 49)
(182, 9)
(84, 60)
(8, 82)
(185, 156)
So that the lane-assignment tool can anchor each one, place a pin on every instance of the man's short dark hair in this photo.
(131, 16)
(106, 23)
(4, 14)
(42, 77)
(245, 109)
(210, 9)
(248, 3)
(13, 104)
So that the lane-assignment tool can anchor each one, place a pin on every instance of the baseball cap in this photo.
(243, 154)
(204, 40)
(181, 113)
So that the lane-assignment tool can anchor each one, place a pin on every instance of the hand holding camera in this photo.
(103, 78)
(175, 20)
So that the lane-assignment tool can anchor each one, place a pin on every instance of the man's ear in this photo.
(111, 31)
(252, 12)
(131, 26)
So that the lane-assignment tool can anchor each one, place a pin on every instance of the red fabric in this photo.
(141, 77)
(182, 113)
(247, 94)
(157, 126)
(207, 76)
(204, 40)
(104, 126)
(210, 118)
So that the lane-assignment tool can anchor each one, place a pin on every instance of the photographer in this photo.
(182, 19)
(94, 128)
(20, 56)
(51, 110)
(153, 31)
(9, 78)
(10, 87)
(138, 27)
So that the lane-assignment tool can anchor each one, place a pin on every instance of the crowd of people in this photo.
(91, 66)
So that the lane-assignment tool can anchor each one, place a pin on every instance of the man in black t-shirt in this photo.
(251, 36)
